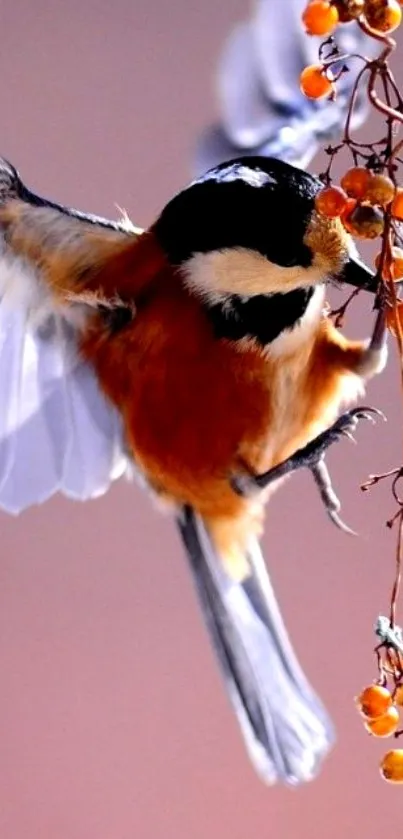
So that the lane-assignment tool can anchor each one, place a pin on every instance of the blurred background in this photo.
(113, 719)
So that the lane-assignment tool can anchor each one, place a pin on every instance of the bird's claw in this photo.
(330, 500)
(348, 422)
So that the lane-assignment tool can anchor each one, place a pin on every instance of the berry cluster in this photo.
(359, 202)
(380, 711)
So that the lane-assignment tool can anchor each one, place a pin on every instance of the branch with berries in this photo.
(369, 203)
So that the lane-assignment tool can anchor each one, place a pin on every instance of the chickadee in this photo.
(199, 353)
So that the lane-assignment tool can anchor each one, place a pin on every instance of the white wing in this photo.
(58, 432)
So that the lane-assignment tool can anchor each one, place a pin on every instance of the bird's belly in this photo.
(191, 428)
(187, 428)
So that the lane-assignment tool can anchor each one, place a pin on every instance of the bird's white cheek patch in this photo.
(244, 272)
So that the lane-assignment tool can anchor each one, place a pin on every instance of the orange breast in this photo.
(188, 400)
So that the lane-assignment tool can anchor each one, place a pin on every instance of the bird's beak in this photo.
(358, 274)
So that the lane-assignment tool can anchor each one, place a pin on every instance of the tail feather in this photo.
(286, 729)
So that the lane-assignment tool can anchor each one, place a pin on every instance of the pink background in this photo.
(113, 720)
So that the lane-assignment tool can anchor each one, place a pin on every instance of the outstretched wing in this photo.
(58, 432)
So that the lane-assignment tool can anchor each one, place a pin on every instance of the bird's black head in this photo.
(260, 204)
(248, 229)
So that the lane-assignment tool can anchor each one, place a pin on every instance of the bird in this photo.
(196, 356)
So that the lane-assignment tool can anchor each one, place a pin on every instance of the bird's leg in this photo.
(312, 457)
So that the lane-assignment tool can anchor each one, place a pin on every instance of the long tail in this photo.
(286, 728)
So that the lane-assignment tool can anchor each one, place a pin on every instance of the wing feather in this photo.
(11, 351)
(58, 431)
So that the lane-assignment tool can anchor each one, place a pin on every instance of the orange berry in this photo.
(374, 701)
(349, 9)
(396, 270)
(331, 201)
(320, 17)
(384, 16)
(366, 222)
(380, 190)
(397, 204)
(355, 181)
(392, 766)
(386, 725)
(350, 205)
(314, 83)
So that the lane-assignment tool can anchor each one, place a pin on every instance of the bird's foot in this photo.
(312, 457)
